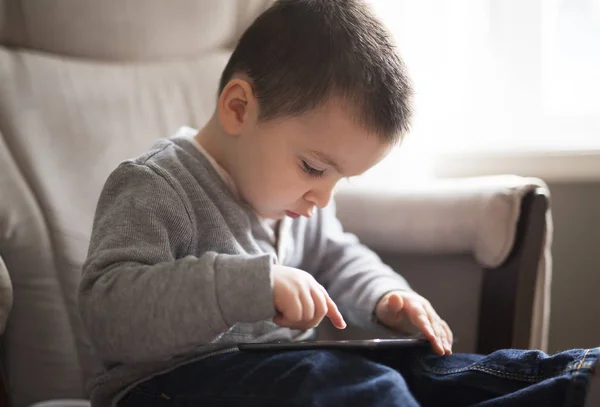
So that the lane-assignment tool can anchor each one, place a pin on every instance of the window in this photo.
(501, 74)
(496, 75)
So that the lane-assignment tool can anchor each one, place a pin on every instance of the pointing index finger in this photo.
(334, 314)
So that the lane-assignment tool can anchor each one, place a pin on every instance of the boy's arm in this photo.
(142, 297)
(353, 274)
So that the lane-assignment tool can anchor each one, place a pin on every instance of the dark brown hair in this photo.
(300, 53)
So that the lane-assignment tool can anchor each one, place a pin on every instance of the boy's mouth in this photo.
(292, 215)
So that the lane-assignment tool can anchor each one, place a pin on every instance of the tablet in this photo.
(347, 344)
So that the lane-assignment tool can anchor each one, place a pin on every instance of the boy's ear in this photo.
(236, 107)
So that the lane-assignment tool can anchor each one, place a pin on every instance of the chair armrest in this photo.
(504, 222)
(475, 216)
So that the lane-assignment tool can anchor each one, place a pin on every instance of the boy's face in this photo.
(289, 165)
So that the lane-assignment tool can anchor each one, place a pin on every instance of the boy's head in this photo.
(313, 92)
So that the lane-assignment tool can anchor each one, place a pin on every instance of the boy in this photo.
(227, 235)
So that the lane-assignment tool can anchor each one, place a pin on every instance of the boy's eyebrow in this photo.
(327, 160)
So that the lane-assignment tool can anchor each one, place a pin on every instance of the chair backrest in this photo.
(83, 85)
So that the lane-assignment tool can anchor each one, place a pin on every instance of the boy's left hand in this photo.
(397, 308)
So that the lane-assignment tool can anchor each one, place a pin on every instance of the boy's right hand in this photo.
(301, 302)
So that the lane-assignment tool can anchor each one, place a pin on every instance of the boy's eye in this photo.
(311, 171)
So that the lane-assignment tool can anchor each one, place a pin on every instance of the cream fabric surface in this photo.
(472, 215)
(126, 30)
(67, 123)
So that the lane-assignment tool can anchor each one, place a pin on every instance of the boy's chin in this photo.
(278, 216)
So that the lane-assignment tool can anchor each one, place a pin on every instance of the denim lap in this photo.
(373, 378)
(301, 378)
(504, 378)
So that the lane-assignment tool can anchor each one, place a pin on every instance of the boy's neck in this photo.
(211, 138)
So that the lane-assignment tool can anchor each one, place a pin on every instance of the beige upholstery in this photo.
(126, 30)
(85, 84)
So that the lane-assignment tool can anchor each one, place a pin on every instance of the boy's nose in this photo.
(319, 197)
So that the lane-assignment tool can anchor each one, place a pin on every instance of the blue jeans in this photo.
(404, 377)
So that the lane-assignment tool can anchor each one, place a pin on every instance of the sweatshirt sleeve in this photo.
(142, 297)
(353, 274)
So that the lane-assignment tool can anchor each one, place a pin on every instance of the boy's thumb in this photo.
(394, 303)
